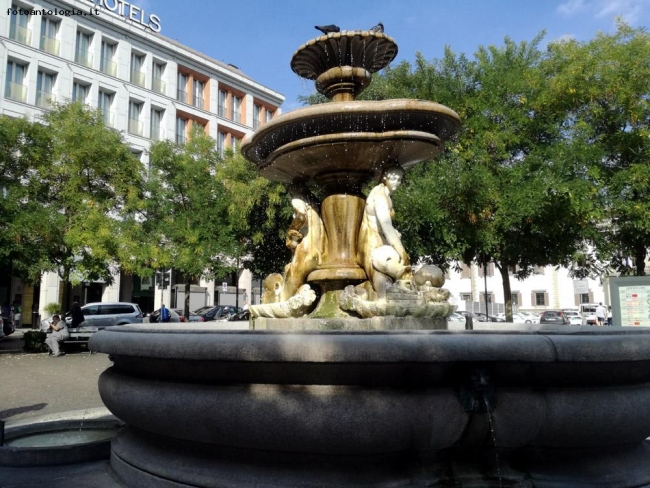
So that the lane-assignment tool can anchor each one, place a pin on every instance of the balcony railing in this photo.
(50, 45)
(198, 102)
(180, 138)
(20, 34)
(256, 124)
(16, 91)
(221, 111)
(109, 119)
(45, 100)
(236, 116)
(181, 96)
(157, 134)
(137, 78)
(109, 66)
(159, 86)
(84, 57)
(135, 127)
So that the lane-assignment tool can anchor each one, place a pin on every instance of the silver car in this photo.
(105, 314)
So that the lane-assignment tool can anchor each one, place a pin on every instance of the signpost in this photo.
(580, 287)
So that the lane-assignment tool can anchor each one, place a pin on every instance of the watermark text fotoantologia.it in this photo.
(64, 12)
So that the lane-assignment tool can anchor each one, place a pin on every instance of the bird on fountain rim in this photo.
(378, 28)
(326, 29)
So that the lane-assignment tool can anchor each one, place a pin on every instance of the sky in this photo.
(260, 36)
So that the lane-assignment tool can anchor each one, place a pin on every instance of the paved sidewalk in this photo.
(38, 384)
(13, 343)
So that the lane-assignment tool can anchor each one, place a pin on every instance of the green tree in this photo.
(185, 212)
(508, 189)
(604, 86)
(260, 212)
(81, 178)
(21, 143)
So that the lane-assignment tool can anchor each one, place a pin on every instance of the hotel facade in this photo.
(110, 54)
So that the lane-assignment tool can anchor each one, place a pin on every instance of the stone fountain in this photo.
(346, 254)
(350, 377)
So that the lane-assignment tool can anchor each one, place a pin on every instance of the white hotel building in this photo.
(149, 88)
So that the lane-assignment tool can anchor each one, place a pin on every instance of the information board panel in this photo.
(630, 300)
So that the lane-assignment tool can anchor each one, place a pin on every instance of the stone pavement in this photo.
(13, 343)
(37, 385)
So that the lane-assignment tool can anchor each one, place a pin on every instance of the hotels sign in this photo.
(129, 12)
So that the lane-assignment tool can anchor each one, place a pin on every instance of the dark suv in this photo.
(554, 317)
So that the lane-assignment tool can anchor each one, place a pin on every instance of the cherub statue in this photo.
(381, 252)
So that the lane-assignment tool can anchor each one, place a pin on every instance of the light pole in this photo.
(485, 270)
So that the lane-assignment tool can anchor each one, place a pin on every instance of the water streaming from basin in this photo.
(488, 412)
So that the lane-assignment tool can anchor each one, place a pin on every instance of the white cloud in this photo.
(571, 7)
(633, 12)
(564, 38)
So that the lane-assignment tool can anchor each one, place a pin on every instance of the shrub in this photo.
(53, 308)
(35, 341)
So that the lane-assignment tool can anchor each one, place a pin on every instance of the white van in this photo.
(588, 312)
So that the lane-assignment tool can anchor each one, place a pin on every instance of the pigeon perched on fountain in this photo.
(326, 29)
(378, 28)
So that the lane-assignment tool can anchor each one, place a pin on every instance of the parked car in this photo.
(522, 318)
(554, 317)
(476, 317)
(533, 316)
(574, 317)
(456, 317)
(217, 312)
(240, 316)
(105, 314)
(588, 313)
(194, 317)
(483, 317)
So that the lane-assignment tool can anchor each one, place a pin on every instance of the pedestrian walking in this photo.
(601, 314)
(609, 315)
(164, 313)
(18, 314)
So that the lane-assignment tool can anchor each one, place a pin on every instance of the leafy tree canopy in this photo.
(77, 179)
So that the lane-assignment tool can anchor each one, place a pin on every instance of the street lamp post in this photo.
(485, 270)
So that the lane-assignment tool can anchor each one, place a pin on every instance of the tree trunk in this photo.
(186, 305)
(507, 292)
(639, 255)
(65, 295)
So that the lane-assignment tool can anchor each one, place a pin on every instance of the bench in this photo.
(78, 337)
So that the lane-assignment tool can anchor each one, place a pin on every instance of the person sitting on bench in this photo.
(58, 333)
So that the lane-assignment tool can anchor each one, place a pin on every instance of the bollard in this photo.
(469, 322)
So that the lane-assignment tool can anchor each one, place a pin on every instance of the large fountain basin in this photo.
(221, 404)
